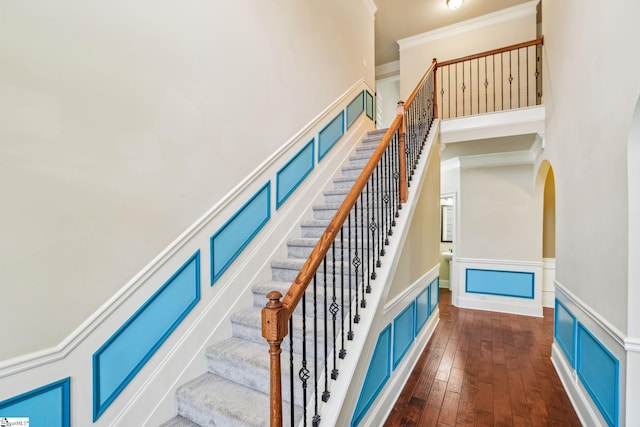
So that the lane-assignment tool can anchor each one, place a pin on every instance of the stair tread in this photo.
(210, 394)
(179, 422)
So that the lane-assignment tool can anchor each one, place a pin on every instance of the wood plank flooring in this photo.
(485, 369)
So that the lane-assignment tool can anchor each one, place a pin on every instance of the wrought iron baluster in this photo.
(325, 393)
(343, 351)
(333, 309)
(363, 300)
(356, 261)
(316, 415)
(303, 374)
(291, 371)
(372, 228)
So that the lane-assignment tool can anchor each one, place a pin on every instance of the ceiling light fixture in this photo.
(454, 4)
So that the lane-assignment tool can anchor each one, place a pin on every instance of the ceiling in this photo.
(489, 146)
(398, 19)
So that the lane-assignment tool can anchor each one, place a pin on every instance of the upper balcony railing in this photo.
(496, 80)
(331, 289)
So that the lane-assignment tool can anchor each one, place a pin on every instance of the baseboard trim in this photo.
(577, 395)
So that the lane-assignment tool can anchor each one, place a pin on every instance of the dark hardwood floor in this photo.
(485, 369)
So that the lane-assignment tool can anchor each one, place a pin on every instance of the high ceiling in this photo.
(398, 19)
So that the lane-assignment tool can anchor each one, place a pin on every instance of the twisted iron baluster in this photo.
(304, 372)
(333, 309)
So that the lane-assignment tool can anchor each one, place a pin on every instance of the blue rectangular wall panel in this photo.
(123, 355)
(48, 406)
(369, 105)
(403, 333)
(598, 370)
(229, 241)
(355, 108)
(377, 375)
(565, 331)
(435, 295)
(330, 134)
(423, 309)
(294, 172)
(500, 282)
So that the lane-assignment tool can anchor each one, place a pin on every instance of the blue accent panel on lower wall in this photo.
(403, 333)
(423, 309)
(355, 108)
(564, 331)
(435, 294)
(123, 355)
(518, 284)
(294, 172)
(598, 370)
(369, 105)
(46, 406)
(330, 134)
(377, 375)
(229, 241)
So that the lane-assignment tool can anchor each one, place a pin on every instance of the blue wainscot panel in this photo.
(294, 172)
(435, 294)
(423, 309)
(499, 282)
(125, 353)
(598, 370)
(355, 108)
(229, 241)
(565, 331)
(369, 105)
(377, 375)
(46, 406)
(330, 134)
(403, 333)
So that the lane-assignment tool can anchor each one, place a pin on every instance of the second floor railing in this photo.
(496, 80)
(330, 291)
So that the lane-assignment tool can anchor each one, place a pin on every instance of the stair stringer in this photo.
(186, 359)
(345, 390)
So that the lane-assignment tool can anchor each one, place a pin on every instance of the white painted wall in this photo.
(123, 123)
(492, 31)
(499, 216)
(591, 87)
(388, 95)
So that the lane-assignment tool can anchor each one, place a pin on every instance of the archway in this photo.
(546, 191)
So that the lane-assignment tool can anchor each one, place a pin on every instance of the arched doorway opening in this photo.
(546, 191)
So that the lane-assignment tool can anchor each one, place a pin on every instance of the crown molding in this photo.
(508, 14)
(632, 344)
(389, 69)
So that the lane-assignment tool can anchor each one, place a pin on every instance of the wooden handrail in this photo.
(491, 52)
(308, 270)
(424, 78)
(279, 309)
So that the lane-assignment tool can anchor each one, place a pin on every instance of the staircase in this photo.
(234, 391)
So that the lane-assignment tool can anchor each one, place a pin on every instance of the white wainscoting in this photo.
(498, 298)
(567, 354)
(548, 276)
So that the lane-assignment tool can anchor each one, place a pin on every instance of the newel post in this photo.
(435, 90)
(402, 155)
(274, 329)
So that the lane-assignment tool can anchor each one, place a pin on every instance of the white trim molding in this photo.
(497, 124)
(608, 337)
(602, 323)
(548, 276)
(388, 70)
(504, 303)
(508, 14)
(632, 344)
